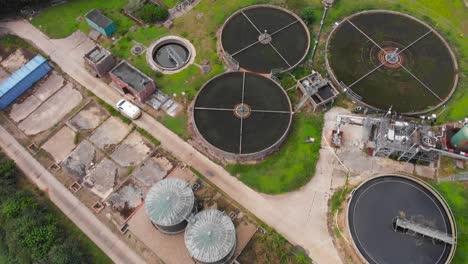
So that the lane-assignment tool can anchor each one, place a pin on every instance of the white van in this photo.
(130, 110)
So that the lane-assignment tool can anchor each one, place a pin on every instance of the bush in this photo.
(308, 15)
(152, 13)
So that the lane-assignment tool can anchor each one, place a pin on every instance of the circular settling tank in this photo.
(265, 38)
(242, 114)
(388, 60)
(376, 205)
(170, 54)
(210, 237)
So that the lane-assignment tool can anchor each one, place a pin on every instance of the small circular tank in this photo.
(169, 203)
(210, 237)
(460, 140)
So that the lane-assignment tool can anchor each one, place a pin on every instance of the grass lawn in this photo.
(170, 3)
(177, 124)
(292, 166)
(456, 195)
(62, 20)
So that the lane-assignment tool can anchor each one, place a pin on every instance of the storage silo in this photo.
(169, 203)
(210, 237)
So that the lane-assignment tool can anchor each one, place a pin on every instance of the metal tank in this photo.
(210, 237)
(169, 203)
(460, 140)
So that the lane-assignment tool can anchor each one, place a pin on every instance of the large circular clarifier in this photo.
(374, 209)
(242, 114)
(389, 60)
(264, 39)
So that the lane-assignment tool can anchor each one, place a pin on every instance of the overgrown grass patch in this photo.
(292, 166)
(456, 195)
(338, 198)
(148, 136)
(177, 124)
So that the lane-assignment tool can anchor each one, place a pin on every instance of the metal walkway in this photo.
(425, 231)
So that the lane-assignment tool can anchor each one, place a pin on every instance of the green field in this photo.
(292, 166)
(456, 195)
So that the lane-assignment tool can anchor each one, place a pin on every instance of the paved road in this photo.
(299, 216)
(115, 248)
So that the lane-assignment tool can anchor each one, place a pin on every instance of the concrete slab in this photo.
(170, 248)
(90, 117)
(126, 199)
(49, 86)
(152, 170)
(81, 161)
(60, 144)
(103, 178)
(15, 61)
(51, 111)
(244, 232)
(132, 151)
(110, 133)
(20, 111)
(3, 75)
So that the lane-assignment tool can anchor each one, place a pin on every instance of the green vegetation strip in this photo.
(148, 136)
(456, 195)
(292, 166)
(113, 111)
(32, 230)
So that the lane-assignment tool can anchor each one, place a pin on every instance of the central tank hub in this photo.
(264, 38)
(242, 111)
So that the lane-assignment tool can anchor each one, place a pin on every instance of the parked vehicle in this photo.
(128, 109)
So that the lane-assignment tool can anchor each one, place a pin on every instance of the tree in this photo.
(66, 253)
(308, 15)
(152, 13)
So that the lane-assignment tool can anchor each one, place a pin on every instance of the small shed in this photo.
(20, 81)
(132, 81)
(99, 61)
(100, 22)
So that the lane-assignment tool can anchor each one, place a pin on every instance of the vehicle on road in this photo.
(128, 109)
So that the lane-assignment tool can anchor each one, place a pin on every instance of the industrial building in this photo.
(99, 61)
(210, 237)
(132, 81)
(169, 203)
(100, 22)
(403, 140)
(317, 90)
(20, 81)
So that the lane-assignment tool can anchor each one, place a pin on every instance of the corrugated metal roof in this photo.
(20, 74)
(210, 236)
(169, 202)
(98, 18)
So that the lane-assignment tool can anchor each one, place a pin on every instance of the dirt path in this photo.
(299, 216)
(115, 248)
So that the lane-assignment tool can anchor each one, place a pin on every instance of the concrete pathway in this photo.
(300, 216)
(115, 248)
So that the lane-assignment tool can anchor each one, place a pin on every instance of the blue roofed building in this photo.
(100, 22)
(23, 79)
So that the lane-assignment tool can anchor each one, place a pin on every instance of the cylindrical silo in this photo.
(169, 203)
(460, 140)
(210, 237)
